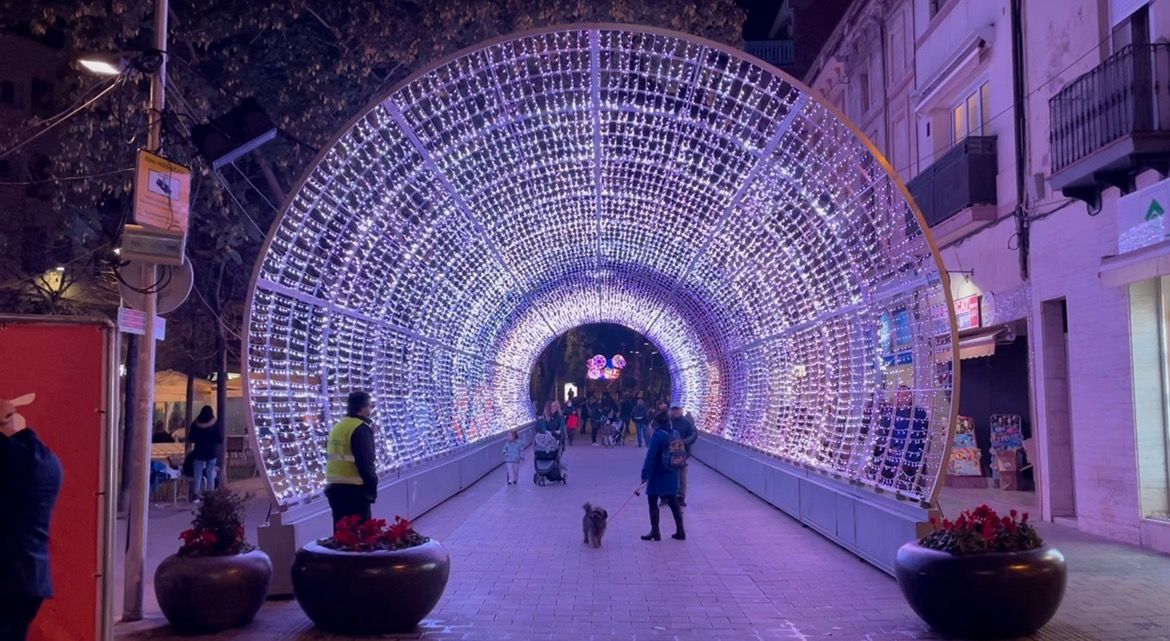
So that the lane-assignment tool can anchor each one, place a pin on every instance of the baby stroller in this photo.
(546, 456)
(615, 432)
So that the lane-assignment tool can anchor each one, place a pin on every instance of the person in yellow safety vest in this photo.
(351, 480)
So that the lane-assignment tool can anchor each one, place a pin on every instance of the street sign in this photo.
(132, 321)
(162, 193)
(1141, 217)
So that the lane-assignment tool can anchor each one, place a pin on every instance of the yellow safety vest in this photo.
(340, 466)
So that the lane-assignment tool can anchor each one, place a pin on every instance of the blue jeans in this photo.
(202, 468)
(643, 433)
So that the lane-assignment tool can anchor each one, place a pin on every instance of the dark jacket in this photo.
(206, 438)
(640, 414)
(30, 479)
(366, 459)
(686, 430)
(660, 480)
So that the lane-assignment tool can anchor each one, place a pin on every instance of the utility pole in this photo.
(139, 464)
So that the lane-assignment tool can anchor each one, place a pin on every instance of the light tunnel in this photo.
(614, 174)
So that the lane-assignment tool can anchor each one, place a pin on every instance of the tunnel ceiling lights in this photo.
(600, 174)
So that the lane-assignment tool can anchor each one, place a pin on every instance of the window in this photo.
(7, 92)
(970, 117)
(863, 90)
(936, 6)
(1134, 29)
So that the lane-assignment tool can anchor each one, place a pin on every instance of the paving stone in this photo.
(746, 572)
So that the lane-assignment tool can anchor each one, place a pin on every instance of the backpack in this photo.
(674, 457)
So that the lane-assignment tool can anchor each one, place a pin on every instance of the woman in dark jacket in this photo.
(661, 481)
(206, 437)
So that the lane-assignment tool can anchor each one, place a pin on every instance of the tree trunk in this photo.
(128, 430)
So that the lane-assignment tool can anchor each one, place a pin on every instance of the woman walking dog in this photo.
(661, 477)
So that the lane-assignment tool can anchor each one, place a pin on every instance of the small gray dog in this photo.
(594, 524)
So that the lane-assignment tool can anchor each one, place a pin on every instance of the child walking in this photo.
(513, 456)
(571, 425)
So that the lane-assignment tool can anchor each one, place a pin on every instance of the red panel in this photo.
(65, 366)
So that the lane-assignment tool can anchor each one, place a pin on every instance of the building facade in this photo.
(1034, 138)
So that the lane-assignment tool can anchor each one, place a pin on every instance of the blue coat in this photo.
(30, 479)
(660, 480)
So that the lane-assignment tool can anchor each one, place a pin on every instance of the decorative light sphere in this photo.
(602, 174)
(619, 361)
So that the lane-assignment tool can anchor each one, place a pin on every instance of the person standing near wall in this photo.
(30, 480)
(686, 430)
(351, 479)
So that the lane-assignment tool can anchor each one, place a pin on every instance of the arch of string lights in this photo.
(602, 174)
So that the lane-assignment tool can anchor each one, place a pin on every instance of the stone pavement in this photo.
(747, 572)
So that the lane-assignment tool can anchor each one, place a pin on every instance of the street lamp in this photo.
(104, 64)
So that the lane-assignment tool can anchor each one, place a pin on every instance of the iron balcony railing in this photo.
(1126, 94)
(963, 177)
(778, 52)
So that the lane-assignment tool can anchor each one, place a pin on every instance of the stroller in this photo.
(615, 432)
(547, 458)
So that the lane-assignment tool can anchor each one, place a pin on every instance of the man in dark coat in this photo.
(661, 480)
(30, 479)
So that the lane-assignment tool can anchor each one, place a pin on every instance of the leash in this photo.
(637, 492)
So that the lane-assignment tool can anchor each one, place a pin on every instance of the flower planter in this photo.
(377, 592)
(212, 593)
(991, 595)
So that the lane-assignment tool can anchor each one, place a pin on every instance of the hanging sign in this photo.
(1141, 217)
(162, 193)
(968, 312)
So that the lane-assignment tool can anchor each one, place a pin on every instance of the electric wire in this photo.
(115, 83)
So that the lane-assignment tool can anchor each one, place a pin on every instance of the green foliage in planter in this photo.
(218, 527)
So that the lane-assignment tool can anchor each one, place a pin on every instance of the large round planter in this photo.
(212, 593)
(982, 596)
(370, 592)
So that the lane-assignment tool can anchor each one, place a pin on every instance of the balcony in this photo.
(777, 52)
(1112, 123)
(957, 194)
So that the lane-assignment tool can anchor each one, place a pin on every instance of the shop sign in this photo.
(968, 312)
(1141, 217)
(162, 193)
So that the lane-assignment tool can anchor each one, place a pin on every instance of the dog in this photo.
(593, 524)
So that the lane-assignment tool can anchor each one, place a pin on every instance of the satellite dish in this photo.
(174, 285)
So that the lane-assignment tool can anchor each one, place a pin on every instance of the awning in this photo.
(978, 345)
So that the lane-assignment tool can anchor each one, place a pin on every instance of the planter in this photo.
(370, 592)
(212, 593)
(983, 596)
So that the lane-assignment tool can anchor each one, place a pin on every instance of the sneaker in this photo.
(595, 445)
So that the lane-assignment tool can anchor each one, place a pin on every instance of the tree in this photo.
(311, 64)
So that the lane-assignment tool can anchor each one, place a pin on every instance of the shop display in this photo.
(965, 454)
(1007, 439)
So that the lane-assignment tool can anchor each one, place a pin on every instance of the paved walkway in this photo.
(747, 572)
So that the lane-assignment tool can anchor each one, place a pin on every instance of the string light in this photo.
(601, 175)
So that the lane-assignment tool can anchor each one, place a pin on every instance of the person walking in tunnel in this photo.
(30, 480)
(661, 478)
(513, 456)
(686, 430)
(351, 479)
(596, 418)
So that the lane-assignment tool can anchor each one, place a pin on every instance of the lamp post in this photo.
(139, 463)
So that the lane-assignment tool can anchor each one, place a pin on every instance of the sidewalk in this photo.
(747, 571)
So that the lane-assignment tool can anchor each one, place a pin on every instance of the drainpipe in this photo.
(1019, 98)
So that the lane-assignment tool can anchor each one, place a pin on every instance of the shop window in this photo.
(970, 117)
(1150, 353)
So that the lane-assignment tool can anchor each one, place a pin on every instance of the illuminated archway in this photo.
(599, 174)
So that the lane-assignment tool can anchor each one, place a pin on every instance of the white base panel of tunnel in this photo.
(870, 526)
(410, 493)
